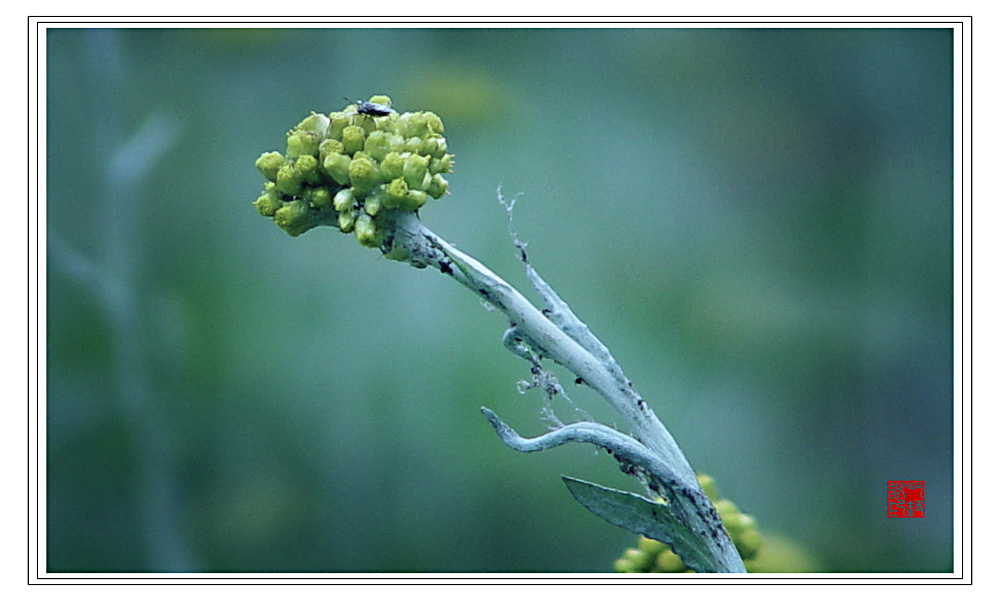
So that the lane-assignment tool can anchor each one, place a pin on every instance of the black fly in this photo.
(372, 109)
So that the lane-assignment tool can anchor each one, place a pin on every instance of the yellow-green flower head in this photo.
(353, 168)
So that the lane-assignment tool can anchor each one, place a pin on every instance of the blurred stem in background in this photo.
(111, 279)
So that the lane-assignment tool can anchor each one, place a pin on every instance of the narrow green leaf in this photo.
(642, 516)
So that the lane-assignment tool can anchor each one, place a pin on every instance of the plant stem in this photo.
(557, 334)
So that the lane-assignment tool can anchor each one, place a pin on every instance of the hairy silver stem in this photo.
(600, 372)
(557, 334)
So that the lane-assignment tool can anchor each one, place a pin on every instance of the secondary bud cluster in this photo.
(654, 556)
(352, 166)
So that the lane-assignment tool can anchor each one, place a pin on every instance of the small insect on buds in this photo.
(373, 109)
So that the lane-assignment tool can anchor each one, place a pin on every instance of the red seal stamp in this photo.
(906, 498)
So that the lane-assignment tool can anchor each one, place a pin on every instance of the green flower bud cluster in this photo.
(653, 556)
(352, 167)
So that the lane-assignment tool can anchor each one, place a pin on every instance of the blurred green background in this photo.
(757, 222)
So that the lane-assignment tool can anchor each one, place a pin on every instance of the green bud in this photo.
(412, 125)
(344, 200)
(269, 163)
(307, 166)
(328, 147)
(414, 169)
(650, 546)
(640, 559)
(289, 180)
(438, 186)
(624, 566)
(315, 123)
(353, 138)
(434, 123)
(319, 197)
(435, 146)
(441, 165)
(707, 484)
(364, 175)
(731, 522)
(413, 201)
(381, 99)
(373, 203)
(412, 145)
(302, 143)
(748, 544)
(395, 193)
(745, 522)
(425, 182)
(391, 166)
(338, 121)
(668, 561)
(338, 167)
(293, 217)
(396, 142)
(377, 145)
(420, 124)
(305, 137)
(364, 231)
(268, 202)
(726, 507)
(346, 219)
